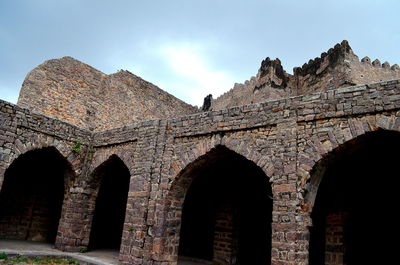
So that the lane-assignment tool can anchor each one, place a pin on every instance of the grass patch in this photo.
(19, 260)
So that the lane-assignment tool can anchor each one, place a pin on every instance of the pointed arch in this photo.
(110, 182)
(350, 195)
(35, 186)
(327, 159)
(318, 150)
(39, 141)
(239, 144)
(214, 197)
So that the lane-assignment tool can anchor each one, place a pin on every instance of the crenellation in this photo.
(377, 63)
(338, 67)
(386, 65)
(366, 60)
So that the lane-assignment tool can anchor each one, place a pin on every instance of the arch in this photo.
(35, 186)
(320, 150)
(39, 141)
(245, 146)
(351, 194)
(317, 172)
(124, 153)
(218, 185)
(110, 184)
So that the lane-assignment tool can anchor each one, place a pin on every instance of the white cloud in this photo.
(195, 75)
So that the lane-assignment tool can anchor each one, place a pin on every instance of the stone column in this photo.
(334, 234)
(225, 235)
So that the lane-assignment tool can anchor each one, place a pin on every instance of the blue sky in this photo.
(189, 48)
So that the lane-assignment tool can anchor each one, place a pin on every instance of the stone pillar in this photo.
(334, 244)
(225, 235)
(75, 222)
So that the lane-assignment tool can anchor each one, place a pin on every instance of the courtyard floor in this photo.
(26, 248)
(97, 257)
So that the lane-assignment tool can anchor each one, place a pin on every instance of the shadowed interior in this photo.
(32, 195)
(226, 217)
(354, 216)
(109, 213)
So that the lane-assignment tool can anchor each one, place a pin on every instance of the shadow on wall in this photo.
(32, 195)
(112, 178)
(354, 215)
(227, 210)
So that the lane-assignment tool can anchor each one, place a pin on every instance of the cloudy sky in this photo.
(189, 48)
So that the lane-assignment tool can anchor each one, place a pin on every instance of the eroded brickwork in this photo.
(286, 139)
(338, 67)
(72, 91)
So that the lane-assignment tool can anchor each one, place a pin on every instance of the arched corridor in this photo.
(354, 215)
(227, 211)
(112, 180)
(32, 195)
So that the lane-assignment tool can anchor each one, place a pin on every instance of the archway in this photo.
(356, 203)
(32, 195)
(227, 211)
(112, 181)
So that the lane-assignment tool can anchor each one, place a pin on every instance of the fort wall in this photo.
(338, 67)
(285, 138)
(77, 93)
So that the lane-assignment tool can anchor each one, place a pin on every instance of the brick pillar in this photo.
(225, 235)
(335, 247)
(75, 222)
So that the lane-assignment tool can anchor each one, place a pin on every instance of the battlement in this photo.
(338, 67)
(327, 59)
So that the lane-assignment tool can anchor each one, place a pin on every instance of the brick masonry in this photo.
(71, 91)
(338, 67)
(286, 138)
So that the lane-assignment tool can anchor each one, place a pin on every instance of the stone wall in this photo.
(285, 138)
(338, 67)
(72, 91)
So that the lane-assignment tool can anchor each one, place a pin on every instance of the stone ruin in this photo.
(284, 169)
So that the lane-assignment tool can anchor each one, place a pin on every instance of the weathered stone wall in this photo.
(72, 91)
(338, 67)
(65, 89)
(22, 130)
(286, 138)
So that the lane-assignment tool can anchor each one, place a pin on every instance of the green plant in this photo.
(76, 148)
(73, 261)
(36, 259)
(130, 228)
(83, 250)
(20, 259)
(91, 150)
(3, 256)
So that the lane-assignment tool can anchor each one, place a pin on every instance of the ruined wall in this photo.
(285, 138)
(65, 89)
(23, 131)
(127, 98)
(338, 67)
(72, 91)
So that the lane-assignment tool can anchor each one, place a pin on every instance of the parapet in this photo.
(338, 67)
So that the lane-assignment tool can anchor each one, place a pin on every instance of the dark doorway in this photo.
(227, 212)
(354, 216)
(32, 195)
(109, 213)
